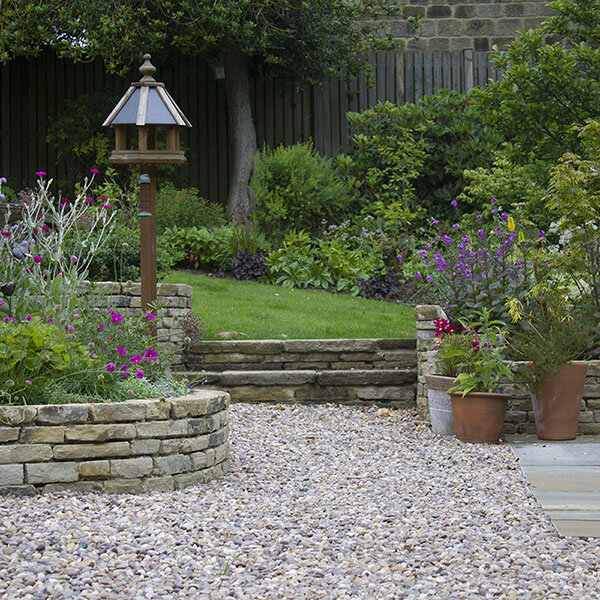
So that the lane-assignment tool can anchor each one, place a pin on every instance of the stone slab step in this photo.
(571, 501)
(396, 389)
(565, 478)
(358, 377)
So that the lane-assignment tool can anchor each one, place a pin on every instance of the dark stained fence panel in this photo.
(33, 92)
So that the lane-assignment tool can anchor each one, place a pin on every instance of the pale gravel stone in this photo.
(326, 502)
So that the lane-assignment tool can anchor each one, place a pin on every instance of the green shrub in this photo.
(118, 259)
(186, 208)
(416, 154)
(296, 188)
(384, 158)
(516, 186)
(211, 248)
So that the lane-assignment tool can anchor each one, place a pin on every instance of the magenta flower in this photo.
(150, 317)
(94, 171)
(139, 374)
(100, 326)
(116, 318)
(454, 203)
(40, 173)
(70, 328)
(45, 228)
(122, 351)
(135, 359)
(493, 200)
(89, 200)
(151, 355)
(107, 206)
(124, 370)
(110, 367)
(37, 259)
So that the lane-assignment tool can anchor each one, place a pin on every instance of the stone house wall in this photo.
(464, 24)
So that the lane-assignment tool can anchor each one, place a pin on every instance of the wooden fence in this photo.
(34, 91)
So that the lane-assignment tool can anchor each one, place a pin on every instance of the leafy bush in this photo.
(547, 87)
(384, 158)
(382, 285)
(185, 207)
(296, 188)
(249, 267)
(515, 185)
(118, 259)
(211, 248)
(416, 154)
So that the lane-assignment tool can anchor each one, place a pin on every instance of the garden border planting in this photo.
(126, 447)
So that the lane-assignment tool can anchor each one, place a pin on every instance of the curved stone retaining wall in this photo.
(134, 446)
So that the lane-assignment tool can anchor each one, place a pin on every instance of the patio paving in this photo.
(565, 479)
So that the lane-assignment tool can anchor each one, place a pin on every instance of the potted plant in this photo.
(448, 337)
(552, 341)
(478, 405)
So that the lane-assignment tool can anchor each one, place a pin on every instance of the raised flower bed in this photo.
(134, 446)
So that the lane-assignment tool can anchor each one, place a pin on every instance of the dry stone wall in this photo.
(133, 447)
(464, 24)
(519, 416)
(175, 301)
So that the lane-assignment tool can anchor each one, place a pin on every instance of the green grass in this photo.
(271, 312)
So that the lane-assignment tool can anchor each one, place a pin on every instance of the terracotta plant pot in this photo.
(557, 407)
(479, 416)
(440, 404)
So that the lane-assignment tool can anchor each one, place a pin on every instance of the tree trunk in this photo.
(242, 134)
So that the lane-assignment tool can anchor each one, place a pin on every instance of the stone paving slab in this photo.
(565, 479)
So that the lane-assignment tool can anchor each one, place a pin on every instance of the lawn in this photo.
(262, 311)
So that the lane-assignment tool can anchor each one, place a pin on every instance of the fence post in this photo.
(468, 62)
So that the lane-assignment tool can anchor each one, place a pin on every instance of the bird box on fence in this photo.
(148, 105)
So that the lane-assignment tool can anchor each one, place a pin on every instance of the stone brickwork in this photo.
(127, 447)
(175, 300)
(519, 416)
(355, 371)
(464, 24)
(242, 355)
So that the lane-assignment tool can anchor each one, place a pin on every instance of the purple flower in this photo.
(434, 221)
(28, 318)
(121, 351)
(494, 212)
(37, 259)
(455, 226)
(481, 234)
(135, 359)
(541, 234)
(446, 239)
(479, 217)
(454, 203)
(493, 200)
(110, 367)
(150, 355)
(139, 374)
(94, 171)
(2, 179)
(504, 215)
(399, 257)
(116, 318)
(2, 197)
(418, 275)
(150, 316)
(73, 259)
(429, 278)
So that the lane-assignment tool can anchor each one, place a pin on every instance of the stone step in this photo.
(395, 388)
(273, 355)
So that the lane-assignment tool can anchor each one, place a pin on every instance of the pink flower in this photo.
(94, 171)
(124, 370)
(110, 367)
(150, 317)
(151, 355)
(122, 351)
(45, 228)
(116, 318)
(107, 206)
(71, 328)
(100, 325)
(37, 259)
(89, 200)
(40, 173)
(135, 359)
(139, 374)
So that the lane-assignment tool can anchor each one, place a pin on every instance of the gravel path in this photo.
(321, 503)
